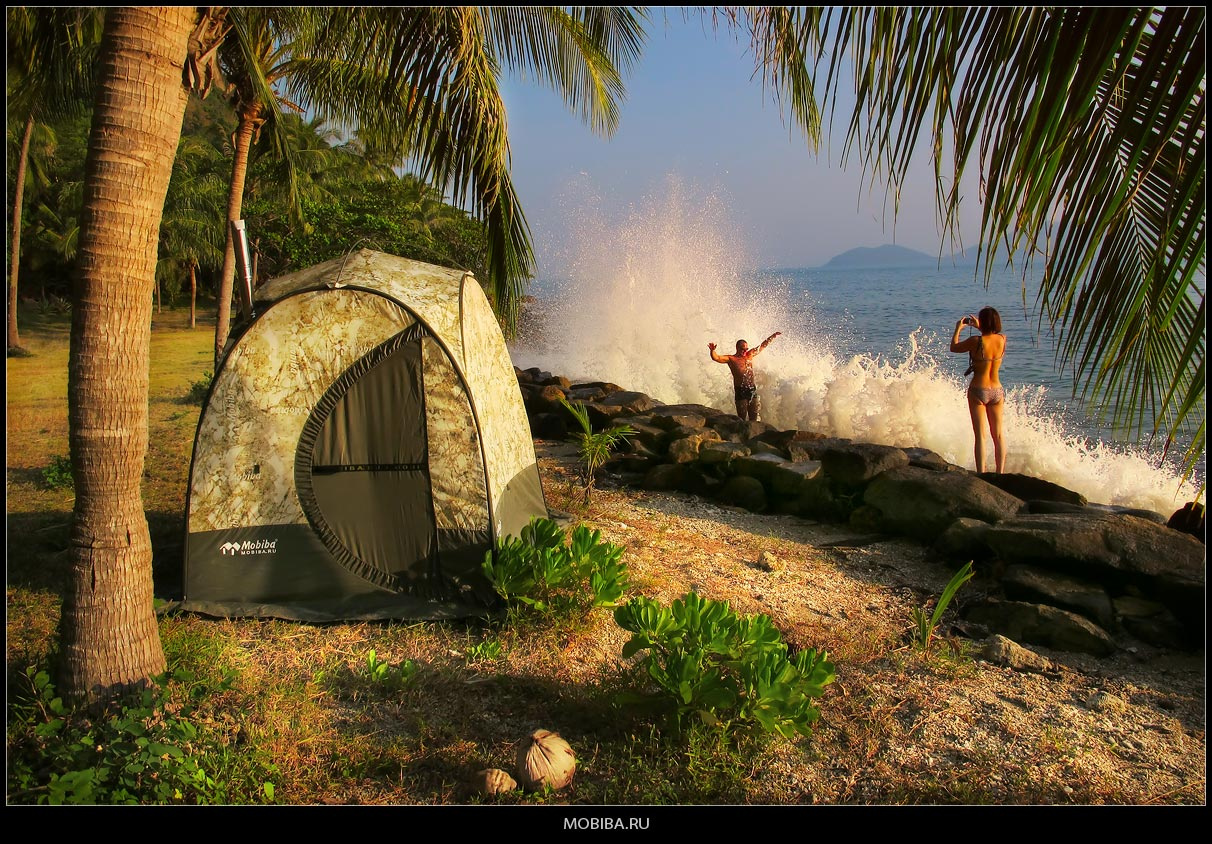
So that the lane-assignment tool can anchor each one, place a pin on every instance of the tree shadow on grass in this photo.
(39, 559)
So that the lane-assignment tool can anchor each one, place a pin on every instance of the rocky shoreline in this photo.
(1065, 573)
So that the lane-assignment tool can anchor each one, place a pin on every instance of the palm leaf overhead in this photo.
(1087, 127)
(437, 69)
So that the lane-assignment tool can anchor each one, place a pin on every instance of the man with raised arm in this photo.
(748, 405)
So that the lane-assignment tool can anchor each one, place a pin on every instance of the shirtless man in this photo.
(748, 405)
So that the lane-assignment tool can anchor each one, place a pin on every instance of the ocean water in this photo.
(863, 352)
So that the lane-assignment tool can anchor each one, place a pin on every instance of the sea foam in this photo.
(639, 297)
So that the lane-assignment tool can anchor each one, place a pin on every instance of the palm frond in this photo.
(1087, 126)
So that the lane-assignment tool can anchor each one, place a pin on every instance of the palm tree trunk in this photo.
(249, 123)
(14, 338)
(109, 636)
(193, 295)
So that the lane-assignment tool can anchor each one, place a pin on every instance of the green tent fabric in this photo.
(362, 446)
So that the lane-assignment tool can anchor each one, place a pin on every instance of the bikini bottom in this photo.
(987, 395)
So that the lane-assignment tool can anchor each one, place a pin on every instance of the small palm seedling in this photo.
(924, 626)
(594, 448)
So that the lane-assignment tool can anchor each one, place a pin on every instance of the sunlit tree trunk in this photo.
(250, 121)
(109, 637)
(14, 338)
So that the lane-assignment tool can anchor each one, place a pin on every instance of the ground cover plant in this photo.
(301, 714)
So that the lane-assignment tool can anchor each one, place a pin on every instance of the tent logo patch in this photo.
(249, 546)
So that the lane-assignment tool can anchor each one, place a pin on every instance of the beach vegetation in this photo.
(703, 664)
(594, 447)
(925, 622)
(557, 574)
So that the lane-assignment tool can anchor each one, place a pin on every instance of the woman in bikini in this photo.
(985, 394)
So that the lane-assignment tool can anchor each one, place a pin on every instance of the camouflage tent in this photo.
(362, 445)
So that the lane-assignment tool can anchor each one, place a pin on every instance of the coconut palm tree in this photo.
(149, 55)
(50, 59)
(1087, 127)
(109, 637)
(422, 83)
(197, 196)
(344, 65)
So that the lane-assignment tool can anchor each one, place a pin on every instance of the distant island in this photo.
(888, 255)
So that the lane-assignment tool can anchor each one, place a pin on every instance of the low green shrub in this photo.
(392, 676)
(487, 651)
(198, 389)
(147, 749)
(553, 573)
(58, 474)
(706, 664)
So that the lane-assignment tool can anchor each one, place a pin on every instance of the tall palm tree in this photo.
(197, 196)
(109, 637)
(1087, 127)
(50, 56)
(395, 73)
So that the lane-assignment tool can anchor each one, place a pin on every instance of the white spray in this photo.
(641, 298)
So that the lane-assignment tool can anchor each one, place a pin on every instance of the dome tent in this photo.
(362, 445)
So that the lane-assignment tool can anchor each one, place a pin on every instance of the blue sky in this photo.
(696, 111)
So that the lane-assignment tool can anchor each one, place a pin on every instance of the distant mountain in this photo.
(888, 255)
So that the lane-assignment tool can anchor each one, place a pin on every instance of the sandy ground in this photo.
(899, 726)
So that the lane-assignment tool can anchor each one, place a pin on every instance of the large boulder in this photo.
(922, 503)
(1189, 519)
(758, 466)
(633, 402)
(670, 416)
(1032, 489)
(1113, 549)
(1027, 583)
(854, 464)
(721, 453)
(741, 491)
(1036, 624)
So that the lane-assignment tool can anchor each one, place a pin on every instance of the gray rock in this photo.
(557, 381)
(1038, 506)
(1113, 549)
(656, 439)
(922, 504)
(722, 452)
(742, 491)
(549, 426)
(684, 450)
(1002, 651)
(631, 401)
(1027, 583)
(1189, 519)
(924, 458)
(854, 464)
(964, 539)
(666, 476)
(1033, 489)
(759, 466)
(671, 416)
(1042, 625)
(788, 479)
(769, 562)
(602, 416)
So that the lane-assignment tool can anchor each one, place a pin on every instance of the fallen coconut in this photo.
(493, 781)
(545, 760)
